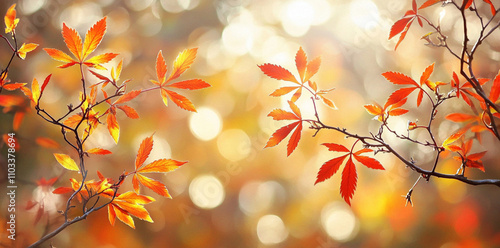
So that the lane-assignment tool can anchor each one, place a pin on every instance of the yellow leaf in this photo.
(26, 48)
(66, 161)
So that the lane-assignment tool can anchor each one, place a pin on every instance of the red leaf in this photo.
(294, 139)
(193, 84)
(277, 72)
(369, 162)
(426, 74)
(329, 168)
(399, 78)
(420, 97)
(144, 151)
(495, 89)
(399, 26)
(62, 190)
(349, 181)
(335, 147)
(429, 3)
(468, 3)
(98, 151)
(280, 134)
(492, 8)
(279, 114)
(476, 156)
(301, 62)
(283, 91)
(399, 95)
(454, 137)
(45, 82)
(398, 112)
(403, 35)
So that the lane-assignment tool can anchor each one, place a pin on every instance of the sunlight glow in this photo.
(364, 13)
(206, 191)
(297, 17)
(339, 221)
(271, 230)
(234, 144)
(206, 124)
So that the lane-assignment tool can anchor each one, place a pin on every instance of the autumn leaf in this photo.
(183, 61)
(129, 111)
(66, 161)
(26, 48)
(35, 91)
(81, 50)
(403, 25)
(283, 132)
(301, 63)
(452, 138)
(349, 175)
(129, 204)
(113, 127)
(278, 72)
(157, 166)
(46, 142)
(469, 160)
(192, 84)
(429, 3)
(98, 151)
(10, 19)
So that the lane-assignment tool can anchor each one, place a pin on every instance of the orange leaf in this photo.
(129, 111)
(72, 121)
(374, 109)
(179, 100)
(301, 62)
(279, 114)
(476, 156)
(283, 91)
(144, 151)
(97, 60)
(111, 214)
(369, 162)
(329, 168)
(295, 109)
(26, 48)
(349, 181)
(113, 127)
(134, 198)
(123, 216)
(13, 86)
(93, 37)
(35, 91)
(183, 61)
(60, 56)
(399, 78)
(397, 112)
(161, 68)
(492, 7)
(18, 117)
(335, 147)
(296, 95)
(154, 185)
(98, 151)
(312, 68)
(10, 19)
(281, 134)
(459, 117)
(135, 183)
(294, 139)
(193, 84)
(66, 161)
(45, 82)
(454, 137)
(429, 3)
(402, 36)
(278, 72)
(62, 190)
(161, 166)
(136, 210)
(328, 102)
(46, 142)
(128, 96)
(73, 41)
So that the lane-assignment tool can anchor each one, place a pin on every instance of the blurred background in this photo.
(234, 193)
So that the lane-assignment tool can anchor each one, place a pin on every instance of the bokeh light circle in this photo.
(206, 191)
(271, 230)
(206, 124)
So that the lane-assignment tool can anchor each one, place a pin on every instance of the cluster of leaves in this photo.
(98, 104)
(472, 92)
(12, 103)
